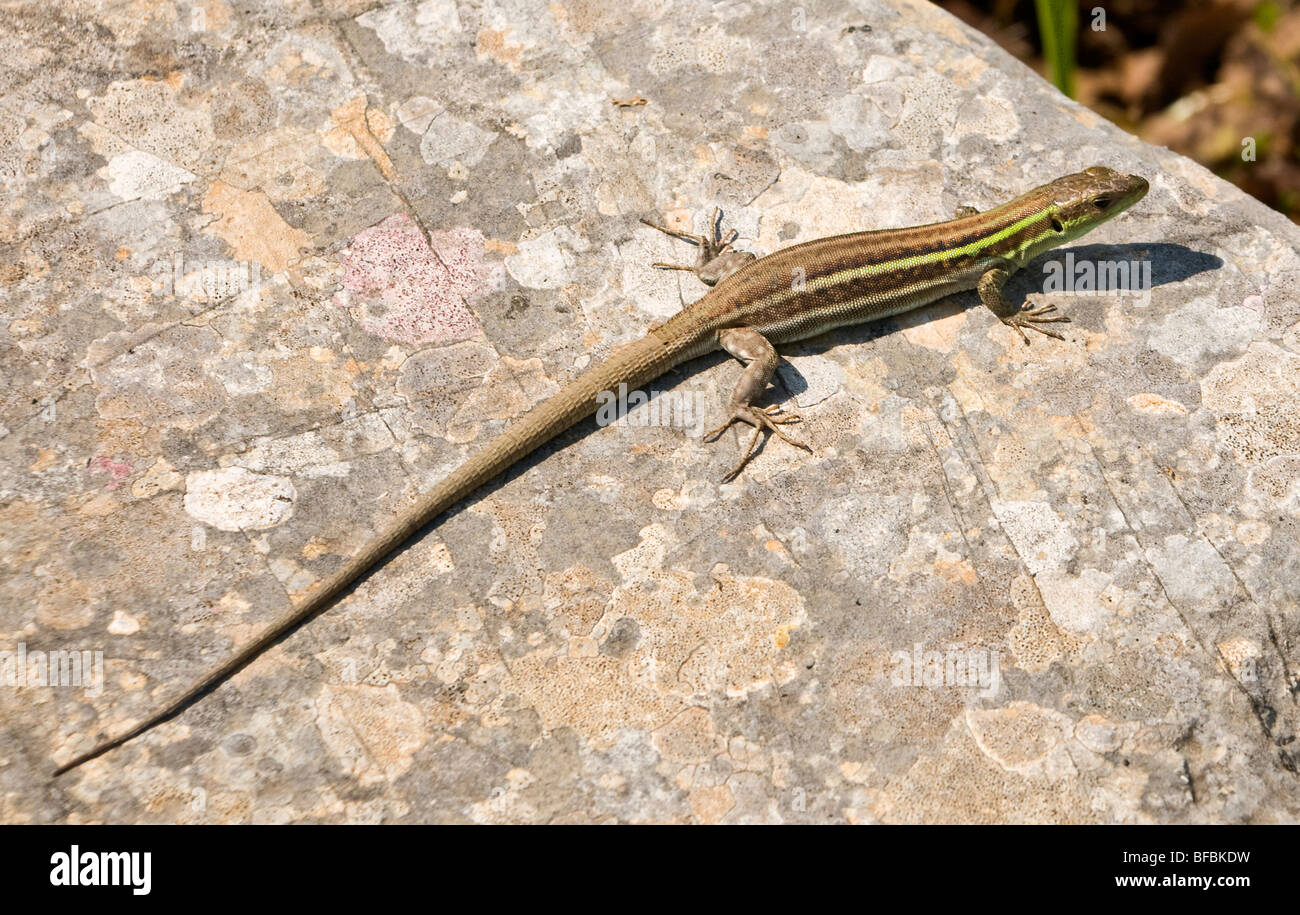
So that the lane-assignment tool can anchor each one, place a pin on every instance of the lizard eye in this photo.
(1101, 203)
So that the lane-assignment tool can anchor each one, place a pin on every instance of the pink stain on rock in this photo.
(407, 291)
(117, 471)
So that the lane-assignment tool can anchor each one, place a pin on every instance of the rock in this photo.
(1054, 584)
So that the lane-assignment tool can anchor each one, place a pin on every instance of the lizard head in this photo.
(1080, 202)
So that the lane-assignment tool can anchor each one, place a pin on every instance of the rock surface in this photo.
(266, 277)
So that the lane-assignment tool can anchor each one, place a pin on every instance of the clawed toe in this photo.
(779, 416)
(761, 418)
(713, 436)
(696, 240)
(1045, 314)
(773, 417)
(1034, 319)
(717, 258)
(1018, 327)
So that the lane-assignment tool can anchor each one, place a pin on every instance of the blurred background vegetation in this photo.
(1202, 78)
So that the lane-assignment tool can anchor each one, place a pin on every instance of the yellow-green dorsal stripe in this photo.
(916, 260)
(974, 247)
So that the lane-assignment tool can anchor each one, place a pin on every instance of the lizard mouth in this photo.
(1138, 187)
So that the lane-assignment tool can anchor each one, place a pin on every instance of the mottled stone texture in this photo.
(270, 270)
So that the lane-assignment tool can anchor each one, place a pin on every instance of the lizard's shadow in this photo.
(1170, 263)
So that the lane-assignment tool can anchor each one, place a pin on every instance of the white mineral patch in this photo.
(861, 122)
(1202, 328)
(123, 624)
(241, 375)
(543, 262)
(881, 69)
(412, 33)
(137, 174)
(986, 116)
(1074, 601)
(1192, 572)
(417, 113)
(1041, 538)
(552, 108)
(449, 139)
(232, 498)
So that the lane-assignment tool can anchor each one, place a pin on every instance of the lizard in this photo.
(752, 305)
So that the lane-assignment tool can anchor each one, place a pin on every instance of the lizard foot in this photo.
(769, 418)
(717, 259)
(1034, 318)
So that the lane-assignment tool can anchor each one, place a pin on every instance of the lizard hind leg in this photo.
(760, 358)
(717, 259)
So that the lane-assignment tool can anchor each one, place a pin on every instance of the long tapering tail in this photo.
(633, 364)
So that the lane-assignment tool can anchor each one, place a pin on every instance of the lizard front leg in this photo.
(717, 259)
(990, 290)
(760, 358)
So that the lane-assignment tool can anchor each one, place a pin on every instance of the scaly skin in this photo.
(798, 292)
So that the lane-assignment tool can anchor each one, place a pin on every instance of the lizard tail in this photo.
(633, 364)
